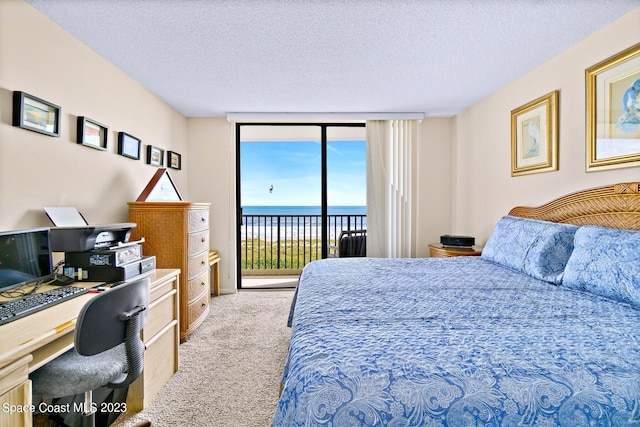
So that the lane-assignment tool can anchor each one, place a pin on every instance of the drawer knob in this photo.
(203, 239)
(202, 284)
(202, 263)
(203, 305)
(203, 219)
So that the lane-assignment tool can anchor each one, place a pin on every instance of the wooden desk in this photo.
(32, 341)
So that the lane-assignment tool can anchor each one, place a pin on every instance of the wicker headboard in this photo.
(614, 206)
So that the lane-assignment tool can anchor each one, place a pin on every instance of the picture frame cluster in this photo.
(38, 115)
(612, 89)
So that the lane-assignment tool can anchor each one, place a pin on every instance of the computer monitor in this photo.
(24, 256)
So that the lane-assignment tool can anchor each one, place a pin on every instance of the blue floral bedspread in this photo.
(455, 342)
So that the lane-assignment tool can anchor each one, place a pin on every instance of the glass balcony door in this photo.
(294, 182)
(345, 174)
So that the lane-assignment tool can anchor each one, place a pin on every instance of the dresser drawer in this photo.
(198, 220)
(198, 307)
(197, 264)
(197, 285)
(197, 242)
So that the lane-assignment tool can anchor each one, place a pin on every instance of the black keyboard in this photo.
(29, 304)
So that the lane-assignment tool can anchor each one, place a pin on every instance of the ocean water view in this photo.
(299, 222)
(303, 210)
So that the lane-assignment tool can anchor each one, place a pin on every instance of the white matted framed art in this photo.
(36, 114)
(613, 111)
(534, 136)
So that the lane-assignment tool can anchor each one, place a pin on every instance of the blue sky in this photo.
(293, 168)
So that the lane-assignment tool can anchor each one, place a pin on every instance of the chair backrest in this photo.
(352, 243)
(114, 317)
(99, 327)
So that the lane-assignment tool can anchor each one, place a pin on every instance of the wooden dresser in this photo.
(177, 233)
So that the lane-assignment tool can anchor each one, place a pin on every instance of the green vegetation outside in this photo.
(294, 254)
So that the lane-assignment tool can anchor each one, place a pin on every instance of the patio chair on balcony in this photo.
(352, 243)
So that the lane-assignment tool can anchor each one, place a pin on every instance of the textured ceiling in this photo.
(207, 58)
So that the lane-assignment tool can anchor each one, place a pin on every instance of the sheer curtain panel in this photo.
(390, 169)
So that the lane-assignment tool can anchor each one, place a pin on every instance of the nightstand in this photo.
(440, 251)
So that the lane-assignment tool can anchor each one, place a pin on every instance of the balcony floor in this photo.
(269, 282)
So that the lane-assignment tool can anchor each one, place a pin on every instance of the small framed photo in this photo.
(613, 111)
(174, 160)
(534, 136)
(38, 115)
(128, 146)
(92, 134)
(155, 156)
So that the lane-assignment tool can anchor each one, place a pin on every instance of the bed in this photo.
(542, 329)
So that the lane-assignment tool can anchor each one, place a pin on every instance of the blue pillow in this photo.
(606, 262)
(540, 249)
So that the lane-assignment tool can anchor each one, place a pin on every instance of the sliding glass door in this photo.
(298, 187)
(346, 192)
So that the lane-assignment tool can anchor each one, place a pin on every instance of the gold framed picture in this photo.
(534, 136)
(613, 111)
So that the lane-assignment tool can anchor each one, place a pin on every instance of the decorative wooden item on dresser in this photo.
(177, 233)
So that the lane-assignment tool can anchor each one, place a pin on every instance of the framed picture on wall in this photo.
(128, 146)
(534, 136)
(155, 156)
(91, 133)
(174, 160)
(36, 114)
(613, 111)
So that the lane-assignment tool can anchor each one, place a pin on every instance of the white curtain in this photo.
(390, 211)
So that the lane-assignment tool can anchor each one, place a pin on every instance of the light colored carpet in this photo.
(230, 367)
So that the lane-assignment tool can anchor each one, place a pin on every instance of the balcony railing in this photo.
(289, 242)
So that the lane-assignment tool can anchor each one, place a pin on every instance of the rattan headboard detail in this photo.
(615, 206)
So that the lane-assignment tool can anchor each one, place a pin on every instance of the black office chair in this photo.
(108, 350)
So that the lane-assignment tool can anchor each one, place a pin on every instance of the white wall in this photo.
(462, 168)
(212, 179)
(433, 179)
(40, 58)
(483, 187)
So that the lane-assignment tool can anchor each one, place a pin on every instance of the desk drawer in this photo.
(161, 289)
(197, 285)
(198, 242)
(160, 363)
(197, 265)
(161, 312)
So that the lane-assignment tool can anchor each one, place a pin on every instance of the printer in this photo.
(97, 253)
